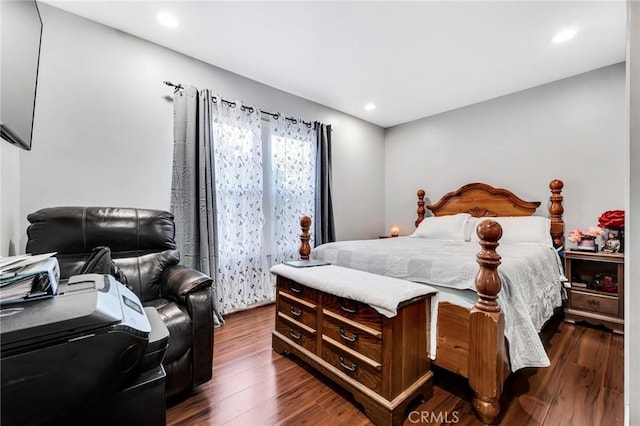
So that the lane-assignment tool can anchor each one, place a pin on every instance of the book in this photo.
(585, 249)
(306, 263)
(29, 287)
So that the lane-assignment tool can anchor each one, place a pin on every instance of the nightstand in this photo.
(597, 289)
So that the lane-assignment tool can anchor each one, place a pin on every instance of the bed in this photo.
(473, 340)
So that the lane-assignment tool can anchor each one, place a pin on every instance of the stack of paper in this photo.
(27, 277)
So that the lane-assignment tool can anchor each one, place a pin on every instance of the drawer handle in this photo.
(353, 310)
(593, 303)
(294, 312)
(296, 289)
(351, 367)
(352, 339)
(295, 334)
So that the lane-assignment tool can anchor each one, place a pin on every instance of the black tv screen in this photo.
(20, 37)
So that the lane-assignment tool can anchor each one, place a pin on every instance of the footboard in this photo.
(471, 343)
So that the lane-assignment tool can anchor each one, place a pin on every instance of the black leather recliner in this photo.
(142, 246)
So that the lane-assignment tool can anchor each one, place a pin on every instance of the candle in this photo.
(395, 230)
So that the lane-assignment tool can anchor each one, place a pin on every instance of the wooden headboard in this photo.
(481, 200)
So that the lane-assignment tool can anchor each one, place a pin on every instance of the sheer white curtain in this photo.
(293, 165)
(243, 276)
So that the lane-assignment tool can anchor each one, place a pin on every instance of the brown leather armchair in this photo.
(142, 246)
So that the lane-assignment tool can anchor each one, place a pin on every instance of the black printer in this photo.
(62, 355)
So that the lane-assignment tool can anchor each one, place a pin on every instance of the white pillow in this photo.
(470, 228)
(521, 230)
(449, 227)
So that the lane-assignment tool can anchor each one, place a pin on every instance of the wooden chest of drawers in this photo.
(382, 361)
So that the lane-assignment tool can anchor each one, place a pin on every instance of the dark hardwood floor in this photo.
(252, 385)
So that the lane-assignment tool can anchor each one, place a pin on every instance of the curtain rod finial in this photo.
(177, 86)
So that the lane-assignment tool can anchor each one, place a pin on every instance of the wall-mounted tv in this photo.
(20, 37)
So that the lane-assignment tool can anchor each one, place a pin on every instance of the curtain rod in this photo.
(251, 109)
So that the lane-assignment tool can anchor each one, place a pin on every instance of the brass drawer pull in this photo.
(295, 334)
(353, 310)
(296, 289)
(352, 339)
(294, 312)
(593, 303)
(351, 368)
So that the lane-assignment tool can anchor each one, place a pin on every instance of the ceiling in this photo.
(412, 59)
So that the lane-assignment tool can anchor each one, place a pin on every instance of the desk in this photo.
(91, 346)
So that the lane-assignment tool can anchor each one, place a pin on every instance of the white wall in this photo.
(10, 218)
(632, 248)
(104, 119)
(572, 129)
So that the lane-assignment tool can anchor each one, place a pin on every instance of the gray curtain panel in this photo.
(193, 190)
(325, 231)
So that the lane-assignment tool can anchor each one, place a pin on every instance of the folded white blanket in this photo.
(383, 294)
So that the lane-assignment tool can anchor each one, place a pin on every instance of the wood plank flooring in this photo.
(252, 385)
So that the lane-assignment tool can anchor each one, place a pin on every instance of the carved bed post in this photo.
(486, 328)
(555, 211)
(305, 248)
(421, 209)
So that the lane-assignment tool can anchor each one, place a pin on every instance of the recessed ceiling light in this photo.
(564, 35)
(167, 19)
(370, 106)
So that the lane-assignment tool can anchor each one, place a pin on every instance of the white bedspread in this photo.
(383, 294)
(531, 279)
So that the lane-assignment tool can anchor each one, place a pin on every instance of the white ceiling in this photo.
(412, 59)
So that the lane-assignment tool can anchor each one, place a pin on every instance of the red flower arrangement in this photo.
(611, 219)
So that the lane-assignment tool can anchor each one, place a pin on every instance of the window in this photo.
(243, 276)
(264, 182)
(240, 186)
(293, 176)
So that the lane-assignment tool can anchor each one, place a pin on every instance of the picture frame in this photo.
(613, 243)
